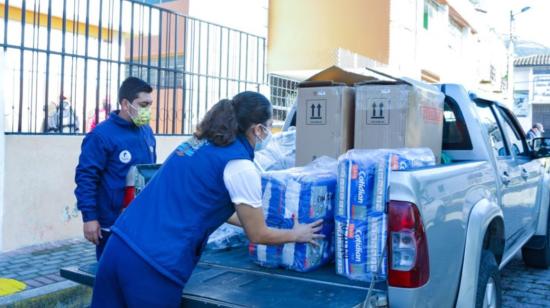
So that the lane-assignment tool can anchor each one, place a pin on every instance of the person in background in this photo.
(61, 118)
(107, 153)
(158, 240)
(102, 115)
(535, 132)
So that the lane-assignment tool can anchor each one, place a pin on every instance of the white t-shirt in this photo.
(243, 181)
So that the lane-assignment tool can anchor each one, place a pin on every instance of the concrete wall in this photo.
(39, 204)
(2, 140)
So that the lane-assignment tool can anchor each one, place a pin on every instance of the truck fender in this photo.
(481, 216)
(542, 219)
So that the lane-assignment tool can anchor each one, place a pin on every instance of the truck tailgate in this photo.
(230, 279)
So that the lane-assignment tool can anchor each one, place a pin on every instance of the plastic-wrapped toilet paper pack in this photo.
(304, 257)
(363, 177)
(265, 255)
(359, 246)
(360, 218)
(306, 193)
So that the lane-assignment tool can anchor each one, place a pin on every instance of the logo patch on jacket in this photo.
(125, 156)
(188, 148)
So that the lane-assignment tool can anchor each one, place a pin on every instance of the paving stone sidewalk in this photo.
(39, 265)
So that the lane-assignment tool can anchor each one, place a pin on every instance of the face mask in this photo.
(262, 143)
(143, 115)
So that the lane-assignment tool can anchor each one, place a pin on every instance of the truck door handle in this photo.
(524, 174)
(505, 178)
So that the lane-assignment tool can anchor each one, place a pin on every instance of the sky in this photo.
(532, 25)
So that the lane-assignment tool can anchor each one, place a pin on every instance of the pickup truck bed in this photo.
(229, 279)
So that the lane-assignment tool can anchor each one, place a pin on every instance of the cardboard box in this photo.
(398, 114)
(325, 114)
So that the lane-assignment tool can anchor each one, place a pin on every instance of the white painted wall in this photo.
(522, 78)
(39, 204)
(2, 146)
(245, 15)
(523, 81)
(456, 55)
(405, 15)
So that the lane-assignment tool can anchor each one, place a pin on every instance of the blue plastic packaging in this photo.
(361, 215)
(307, 193)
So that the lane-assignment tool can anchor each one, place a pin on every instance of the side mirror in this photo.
(541, 147)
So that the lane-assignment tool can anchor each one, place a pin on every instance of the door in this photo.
(508, 173)
(530, 172)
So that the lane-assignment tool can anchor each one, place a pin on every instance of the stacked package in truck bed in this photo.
(361, 216)
(307, 194)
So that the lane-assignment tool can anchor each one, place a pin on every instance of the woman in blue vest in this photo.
(158, 240)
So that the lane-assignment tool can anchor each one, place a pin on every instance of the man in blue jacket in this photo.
(108, 152)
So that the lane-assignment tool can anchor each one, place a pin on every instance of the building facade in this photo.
(532, 90)
(430, 40)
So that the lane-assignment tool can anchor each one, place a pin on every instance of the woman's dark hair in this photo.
(228, 118)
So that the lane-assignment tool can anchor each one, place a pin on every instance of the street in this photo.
(523, 286)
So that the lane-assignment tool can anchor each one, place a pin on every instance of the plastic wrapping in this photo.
(406, 158)
(360, 247)
(307, 193)
(226, 237)
(280, 152)
(360, 218)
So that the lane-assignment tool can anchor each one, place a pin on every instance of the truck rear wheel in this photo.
(536, 253)
(489, 291)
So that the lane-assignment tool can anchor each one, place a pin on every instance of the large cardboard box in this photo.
(397, 114)
(325, 113)
(324, 120)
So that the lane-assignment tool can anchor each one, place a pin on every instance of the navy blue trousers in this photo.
(124, 279)
(102, 242)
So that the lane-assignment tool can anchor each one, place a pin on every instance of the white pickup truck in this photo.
(463, 222)
(473, 215)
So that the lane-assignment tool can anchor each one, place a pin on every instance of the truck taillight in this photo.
(407, 246)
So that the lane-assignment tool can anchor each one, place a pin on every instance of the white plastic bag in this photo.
(280, 152)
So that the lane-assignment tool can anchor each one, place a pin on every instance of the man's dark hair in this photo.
(130, 88)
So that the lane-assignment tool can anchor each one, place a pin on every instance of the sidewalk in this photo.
(38, 266)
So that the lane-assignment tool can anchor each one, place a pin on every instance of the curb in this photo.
(59, 294)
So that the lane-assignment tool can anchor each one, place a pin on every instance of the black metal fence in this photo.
(66, 58)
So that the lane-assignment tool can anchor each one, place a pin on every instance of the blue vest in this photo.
(169, 222)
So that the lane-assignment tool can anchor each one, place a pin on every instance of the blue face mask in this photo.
(262, 143)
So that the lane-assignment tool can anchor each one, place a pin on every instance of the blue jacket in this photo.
(169, 222)
(107, 154)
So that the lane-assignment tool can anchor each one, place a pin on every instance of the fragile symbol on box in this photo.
(316, 112)
(378, 111)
